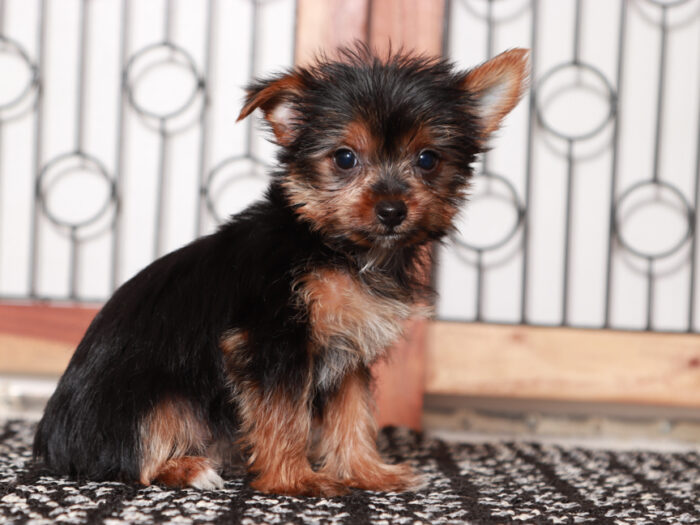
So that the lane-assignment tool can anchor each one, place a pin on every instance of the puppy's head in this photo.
(378, 152)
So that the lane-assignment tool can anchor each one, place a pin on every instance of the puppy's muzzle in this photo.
(391, 213)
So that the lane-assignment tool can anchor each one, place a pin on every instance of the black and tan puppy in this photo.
(258, 335)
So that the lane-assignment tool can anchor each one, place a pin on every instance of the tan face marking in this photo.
(342, 202)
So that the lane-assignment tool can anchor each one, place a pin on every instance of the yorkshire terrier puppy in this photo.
(262, 334)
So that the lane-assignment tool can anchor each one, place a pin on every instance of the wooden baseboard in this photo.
(524, 362)
(508, 362)
(39, 338)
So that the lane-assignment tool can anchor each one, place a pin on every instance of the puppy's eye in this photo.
(345, 159)
(427, 160)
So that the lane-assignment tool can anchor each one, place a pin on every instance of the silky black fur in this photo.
(159, 334)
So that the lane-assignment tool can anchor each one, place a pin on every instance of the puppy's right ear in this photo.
(276, 98)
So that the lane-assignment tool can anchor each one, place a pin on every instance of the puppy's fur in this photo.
(263, 332)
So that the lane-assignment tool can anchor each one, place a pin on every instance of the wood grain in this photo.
(563, 364)
(57, 323)
(26, 355)
(413, 25)
(324, 25)
(400, 380)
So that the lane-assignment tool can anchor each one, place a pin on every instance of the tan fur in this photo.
(276, 432)
(274, 101)
(344, 203)
(233, 340)
(182, 471)
(347, 316)
(171, 430)
(348, 446)
(235, 346)
(508, 73)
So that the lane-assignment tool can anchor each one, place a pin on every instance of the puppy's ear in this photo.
(275, 97)
(496, 87)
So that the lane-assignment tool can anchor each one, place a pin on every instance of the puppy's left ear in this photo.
(497, 86)
(276, 99)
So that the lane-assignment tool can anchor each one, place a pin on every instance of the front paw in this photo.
(382, 477)
(317, 485)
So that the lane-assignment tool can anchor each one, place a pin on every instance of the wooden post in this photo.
(412, 25)
(325, 25)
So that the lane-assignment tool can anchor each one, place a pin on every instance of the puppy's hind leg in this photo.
(169, 434)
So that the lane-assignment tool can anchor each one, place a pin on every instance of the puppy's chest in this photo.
(349, 324)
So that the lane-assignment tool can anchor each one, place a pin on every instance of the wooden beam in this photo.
(25, 355)
(324, 25)
(400, 380)
(61, 323)
(563, 364)
(39, 338)
(414, 25)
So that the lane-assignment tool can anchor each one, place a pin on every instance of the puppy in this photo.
(258, 336)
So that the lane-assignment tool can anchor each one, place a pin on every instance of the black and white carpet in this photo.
(467, 483)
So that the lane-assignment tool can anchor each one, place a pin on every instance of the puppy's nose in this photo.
(391, 213)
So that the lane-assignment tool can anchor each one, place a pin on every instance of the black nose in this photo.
(391, 213)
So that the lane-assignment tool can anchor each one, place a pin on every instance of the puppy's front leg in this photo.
(276, 433)
(348, 445)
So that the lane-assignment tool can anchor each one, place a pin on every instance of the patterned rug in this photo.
(467, 483)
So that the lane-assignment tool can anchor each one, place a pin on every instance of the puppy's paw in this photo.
(207, 479)
(190, 471)
(382, 477)
(316, 485)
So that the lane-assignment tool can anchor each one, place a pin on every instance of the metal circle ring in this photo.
(514, 13)
(667, 3)
(516, 225)
(187, 62)
(612, 101)
(16, 49)
(687, 209)
(56, 169)
(206, 190)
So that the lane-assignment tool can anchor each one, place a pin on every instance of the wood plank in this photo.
(563, 364)
(414, 25)
(399, 380)
(26, 355)
(323, 25)
(64, 323)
